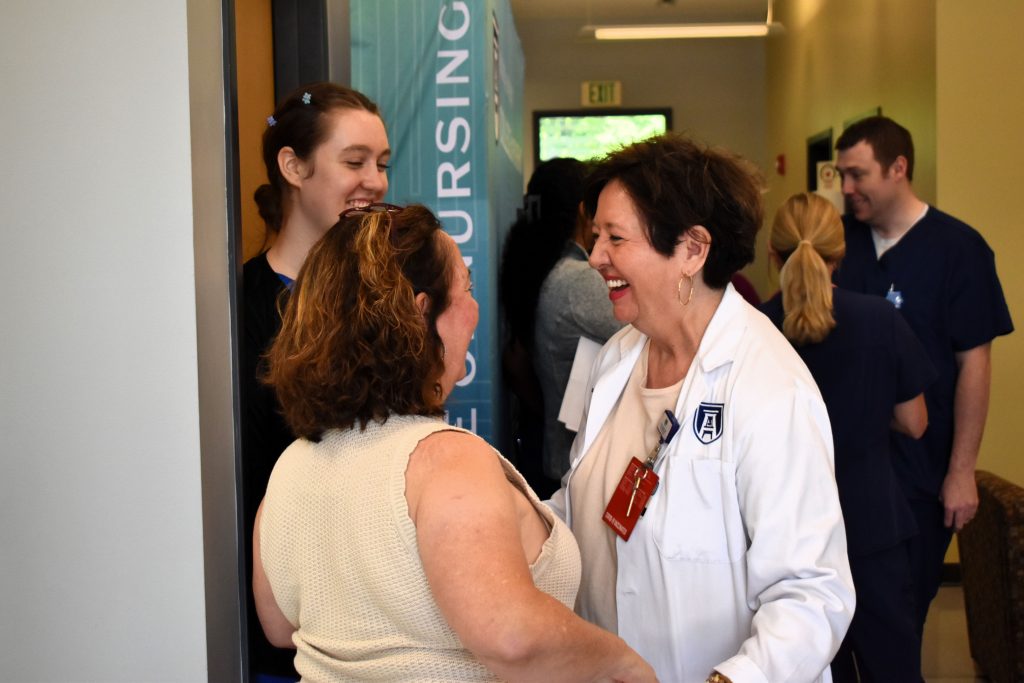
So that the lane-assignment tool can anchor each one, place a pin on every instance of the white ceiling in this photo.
(640, 11)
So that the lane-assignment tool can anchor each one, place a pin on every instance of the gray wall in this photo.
(101, 538)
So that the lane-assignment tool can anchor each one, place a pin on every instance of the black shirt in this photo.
(264, 434)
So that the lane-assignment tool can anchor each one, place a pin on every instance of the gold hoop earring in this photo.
(679, 290)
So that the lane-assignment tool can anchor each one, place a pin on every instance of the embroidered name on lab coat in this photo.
(707, 421)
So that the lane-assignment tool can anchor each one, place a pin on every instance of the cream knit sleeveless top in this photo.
(341, 555)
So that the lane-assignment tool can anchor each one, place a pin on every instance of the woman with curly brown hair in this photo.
(391, 546)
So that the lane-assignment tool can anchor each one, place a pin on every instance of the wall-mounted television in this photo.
(589, 133)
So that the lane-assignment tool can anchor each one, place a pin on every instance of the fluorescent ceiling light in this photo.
(665, 31)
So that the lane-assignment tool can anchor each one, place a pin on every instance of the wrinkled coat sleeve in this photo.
(798, 575)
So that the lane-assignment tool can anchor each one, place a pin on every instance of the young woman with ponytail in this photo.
(326, 150)
(805, 230)
(871, 371)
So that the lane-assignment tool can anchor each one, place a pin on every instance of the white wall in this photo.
(101, 555)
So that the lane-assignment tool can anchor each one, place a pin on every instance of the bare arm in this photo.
(470, 543)
(275, 625)
(910, 417)
(970, 408)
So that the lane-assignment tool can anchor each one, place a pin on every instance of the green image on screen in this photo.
(586, 137)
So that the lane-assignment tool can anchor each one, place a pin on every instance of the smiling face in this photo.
(348, 169)
(871, 191)
(642, 283)
(457, 323)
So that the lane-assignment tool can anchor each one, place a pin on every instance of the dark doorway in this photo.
(819, 148)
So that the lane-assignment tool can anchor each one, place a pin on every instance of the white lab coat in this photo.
(739, 563)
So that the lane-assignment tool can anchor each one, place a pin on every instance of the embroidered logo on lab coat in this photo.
(707, 421)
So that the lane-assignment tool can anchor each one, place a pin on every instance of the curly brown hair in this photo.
(354, 345)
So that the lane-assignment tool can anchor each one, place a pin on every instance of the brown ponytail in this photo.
(300, 122)
(807, 234)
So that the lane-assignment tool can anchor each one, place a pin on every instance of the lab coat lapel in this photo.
(612, 378)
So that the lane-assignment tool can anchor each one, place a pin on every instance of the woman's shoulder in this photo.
(773, 309)
(261, 287)
(567, 273)
(446, 442)
(451, 463)
(845, 300)
(395, 433)
(625, 339)
(767, 363)
(257, 268)
(619, 345)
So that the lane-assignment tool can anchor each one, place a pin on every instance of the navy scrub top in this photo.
(942, 277)
(868, 363)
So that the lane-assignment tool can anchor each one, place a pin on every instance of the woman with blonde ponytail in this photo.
(872, 372)
(809, 232)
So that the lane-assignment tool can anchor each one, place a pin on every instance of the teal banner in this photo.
(448, 77)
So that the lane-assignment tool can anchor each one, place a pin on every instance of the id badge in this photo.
(894, 296)
(630, 498)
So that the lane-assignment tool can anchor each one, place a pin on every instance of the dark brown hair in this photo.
(354, 346)
(676, 184)
(887, 138)
(536, 240)
(300, 122)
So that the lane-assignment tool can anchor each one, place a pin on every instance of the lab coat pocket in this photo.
(701, 520)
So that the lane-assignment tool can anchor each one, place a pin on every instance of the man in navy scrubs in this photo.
(941, 275)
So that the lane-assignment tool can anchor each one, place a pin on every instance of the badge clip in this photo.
(667, 428)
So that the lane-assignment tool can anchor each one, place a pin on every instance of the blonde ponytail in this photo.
(807, 234)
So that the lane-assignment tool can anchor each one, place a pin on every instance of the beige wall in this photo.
(980, 110)
(834, 61)
(716, 88)
(952, 72)
(255, 54)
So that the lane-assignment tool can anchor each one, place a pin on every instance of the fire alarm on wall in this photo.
(780, 164)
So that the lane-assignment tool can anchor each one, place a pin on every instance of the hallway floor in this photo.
(945, 654)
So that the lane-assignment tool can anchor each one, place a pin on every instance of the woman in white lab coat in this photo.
(733, 566)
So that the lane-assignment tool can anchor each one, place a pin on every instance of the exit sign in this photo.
(601, 93)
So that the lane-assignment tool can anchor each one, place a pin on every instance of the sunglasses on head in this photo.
(376, 207)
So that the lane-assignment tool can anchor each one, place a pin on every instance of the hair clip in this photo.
(306, 97)
(271, 121)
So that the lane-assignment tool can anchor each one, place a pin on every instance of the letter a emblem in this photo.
(707, 421)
